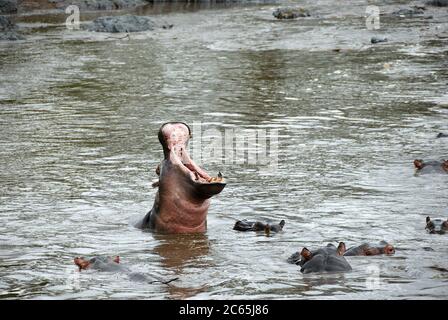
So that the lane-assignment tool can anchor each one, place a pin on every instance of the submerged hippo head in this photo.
(366, 249)
(95, 262)
(326, 259)
(430, 166)
(244, 225)
(182, 201)
(437, 225)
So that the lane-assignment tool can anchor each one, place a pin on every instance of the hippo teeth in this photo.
(218, 178)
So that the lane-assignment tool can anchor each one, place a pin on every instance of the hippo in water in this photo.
(430, 166)
(184, 189)
(112, 264)
(244, 225)
(442, 135)
(99, 263)
(326, 259)
(367, 249)
(437, 225)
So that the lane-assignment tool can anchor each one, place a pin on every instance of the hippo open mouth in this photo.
(174, 138)
(184, 189)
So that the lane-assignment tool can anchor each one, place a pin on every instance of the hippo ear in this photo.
(445, 165)
(418, 163)
(306, 254)
(389, 249)
(341, 248)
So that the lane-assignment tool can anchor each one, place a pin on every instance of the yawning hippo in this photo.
(437, 225)
(183, 198)
(431, 166)
(367, 249)
(326, 259)
(244, 225)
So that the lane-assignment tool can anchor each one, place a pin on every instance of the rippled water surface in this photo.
(79, 115)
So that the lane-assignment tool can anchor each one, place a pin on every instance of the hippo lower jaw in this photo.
(182, 201)
(201, 183)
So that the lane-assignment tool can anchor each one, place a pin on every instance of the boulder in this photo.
(290, 13)
(8, 30)
(8, 6)
(374, 40)
(94, 5)
(409, 12)
(126, 23)
(438, 3)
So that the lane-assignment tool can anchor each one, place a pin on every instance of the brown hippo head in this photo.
(84, 264)
(182, 201)
(430, 166)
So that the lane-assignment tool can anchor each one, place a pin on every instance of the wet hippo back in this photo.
(356, 251)
(326, 263)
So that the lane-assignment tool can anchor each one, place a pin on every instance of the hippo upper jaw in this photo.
(174, 138)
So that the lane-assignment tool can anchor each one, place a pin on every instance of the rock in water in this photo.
(126, 23)
(377, 40)
(409, 12)
(98, 4)
(438, 3)
(290, 13)
(8, 30)
(8, 6)
(6, 24)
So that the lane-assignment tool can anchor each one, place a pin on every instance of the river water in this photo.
(79, 115)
